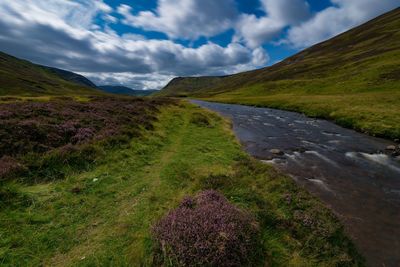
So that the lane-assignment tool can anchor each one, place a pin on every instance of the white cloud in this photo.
(188, 19)
(337, 19)
(110, 19)
(51, 36)
(256, 31)
(134, 81)
(64, 34)
(288, 12)
(260, 57)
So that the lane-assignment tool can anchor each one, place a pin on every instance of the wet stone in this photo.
(276, 152)
(392, 147)
(300, 149)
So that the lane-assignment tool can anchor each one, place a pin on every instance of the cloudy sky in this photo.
(145, 43)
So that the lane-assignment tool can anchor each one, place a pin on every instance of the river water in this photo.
(345, 169)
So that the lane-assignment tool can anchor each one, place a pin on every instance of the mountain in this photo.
(21, 77)
(183, 86)
(352, 79)
(370, 50)
(71, 77)
(122, 90)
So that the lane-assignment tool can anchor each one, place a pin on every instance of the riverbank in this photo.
(354, 174)
(376, 113)
(103, 216)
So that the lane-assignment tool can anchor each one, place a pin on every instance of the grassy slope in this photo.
(103, 216)
(122, 90)
(184, 86)
(22, 78)
(353, 79)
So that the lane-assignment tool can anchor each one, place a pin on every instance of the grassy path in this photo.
(103, 217)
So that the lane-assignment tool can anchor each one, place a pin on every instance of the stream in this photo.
(354, 174)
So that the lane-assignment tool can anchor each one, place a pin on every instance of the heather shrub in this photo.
(83, 134)
(43, 126)
(9, 167)
(40, 134)
(207, 230)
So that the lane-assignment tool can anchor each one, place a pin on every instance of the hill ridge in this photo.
(276, 72)
(24, 78)
(352, 79)
(123, 90)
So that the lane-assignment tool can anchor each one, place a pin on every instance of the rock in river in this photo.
(276, 152)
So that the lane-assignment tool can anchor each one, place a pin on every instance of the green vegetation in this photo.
(123, 90)
(103, 216)
(42, 139)
(23, 78)
(375, 113)
(353, 79)
(183, 87)
(208, 230)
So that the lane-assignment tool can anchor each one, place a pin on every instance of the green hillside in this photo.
(353, 79)
(23, 78)
(184, 86)
(123, 90)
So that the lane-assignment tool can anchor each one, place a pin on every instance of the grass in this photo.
(103, 216)
(23, 78)
(352, 79)
(43, 139)
(43, 98)
(354, 95)
(374, 113)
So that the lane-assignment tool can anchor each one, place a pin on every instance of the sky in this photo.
(143, 44)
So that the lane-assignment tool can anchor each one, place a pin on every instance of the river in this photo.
(350, 172)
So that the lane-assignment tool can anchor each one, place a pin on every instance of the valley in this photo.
(296, 163)
(351, 79)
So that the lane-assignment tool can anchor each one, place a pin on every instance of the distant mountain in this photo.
(21, 77)
(123, 90)
(365, 57)
(71, 77)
